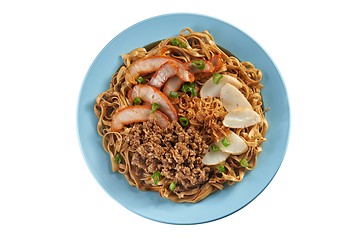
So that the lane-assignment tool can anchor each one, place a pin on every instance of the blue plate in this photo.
(150, 204)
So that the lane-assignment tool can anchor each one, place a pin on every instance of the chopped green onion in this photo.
(189, 87)
(137, 101)
(244, 163)
(225, 142)
(156, 177)
(172, 186)
(141, 80)
(174, 42)
(183, 121)
(155, 106)
(185, 87)
(221, 168)
(198, 64)
(118, 158)
(216, 77)
(173, 94)
(182, 44)
(193, 92)
(214, 147)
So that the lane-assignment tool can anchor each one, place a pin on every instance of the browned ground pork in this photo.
(175, 152)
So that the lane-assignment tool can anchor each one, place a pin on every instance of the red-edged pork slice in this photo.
(167, 70)
(134, 114)
(152, 95)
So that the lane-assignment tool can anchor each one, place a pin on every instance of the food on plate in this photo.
(183, 118)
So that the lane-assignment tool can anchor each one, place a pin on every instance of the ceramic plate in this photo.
(150, 204)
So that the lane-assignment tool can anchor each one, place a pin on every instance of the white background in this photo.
(46, 189)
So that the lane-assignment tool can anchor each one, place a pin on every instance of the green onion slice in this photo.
(174, 42)
(137, 101)
(172, 186)
(225, 142)
(193, 92)
(155, 106)
(198, 64)
(221, 168)
(141, 80)
(156, 177)
(183, 121)
(244, 163)
(216, 77)
(214, 148)
(173, 94)
(118, 158)
(189, 87)
(182, 44)
(186, 87)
